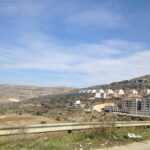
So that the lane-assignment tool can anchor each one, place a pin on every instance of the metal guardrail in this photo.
(42, 128)
(133, 115)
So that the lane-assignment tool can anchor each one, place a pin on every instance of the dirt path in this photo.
(145, 145)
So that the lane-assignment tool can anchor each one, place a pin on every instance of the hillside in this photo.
(136, 83)
(54, 102)
(10, 93)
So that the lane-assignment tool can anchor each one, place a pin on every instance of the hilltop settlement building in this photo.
(134, 101)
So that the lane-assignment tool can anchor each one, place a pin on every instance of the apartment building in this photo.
(145, 105)
(130, 105)
(135, 106)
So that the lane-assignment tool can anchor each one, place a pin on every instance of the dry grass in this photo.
(64, 141)
(23, 120)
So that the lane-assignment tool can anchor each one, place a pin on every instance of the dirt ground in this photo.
(145, 145)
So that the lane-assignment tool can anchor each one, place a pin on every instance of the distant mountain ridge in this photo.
(22, 92)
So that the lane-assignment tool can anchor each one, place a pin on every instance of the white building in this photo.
(101, 91)
(100, 95)
(121, 92)
(89, 91)
(80, 92)
(147, 91)
(78, 104)
(134, 92)
(93, 91)
(110, 91)
(84, 91)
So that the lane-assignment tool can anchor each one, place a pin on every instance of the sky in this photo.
(74, 43)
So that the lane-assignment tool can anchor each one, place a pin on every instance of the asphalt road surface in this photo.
(145, 145)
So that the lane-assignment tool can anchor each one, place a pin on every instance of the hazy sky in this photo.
(73, 42)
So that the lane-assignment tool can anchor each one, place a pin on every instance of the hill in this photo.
(10, 93)
(60, 103)
(136, 83)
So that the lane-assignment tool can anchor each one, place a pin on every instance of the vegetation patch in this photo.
(95, 138)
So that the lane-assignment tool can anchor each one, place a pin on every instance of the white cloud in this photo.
(85, 64)
(116, 69)
(97, 16)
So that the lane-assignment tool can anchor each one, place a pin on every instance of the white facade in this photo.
(78, 102)
(121, 92)
(83, 91)
(101, 91)
(89, 91)
(147, 91)
(110, 92)
(100, 95)
(134, 92)
(93, 91)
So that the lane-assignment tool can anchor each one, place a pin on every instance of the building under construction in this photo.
(134, 106)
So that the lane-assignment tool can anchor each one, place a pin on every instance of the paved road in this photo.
(135, 146)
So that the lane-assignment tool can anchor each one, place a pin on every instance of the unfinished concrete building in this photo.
(130, 106)
(145, 106)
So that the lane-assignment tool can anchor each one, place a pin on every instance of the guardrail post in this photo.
(69, 131)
